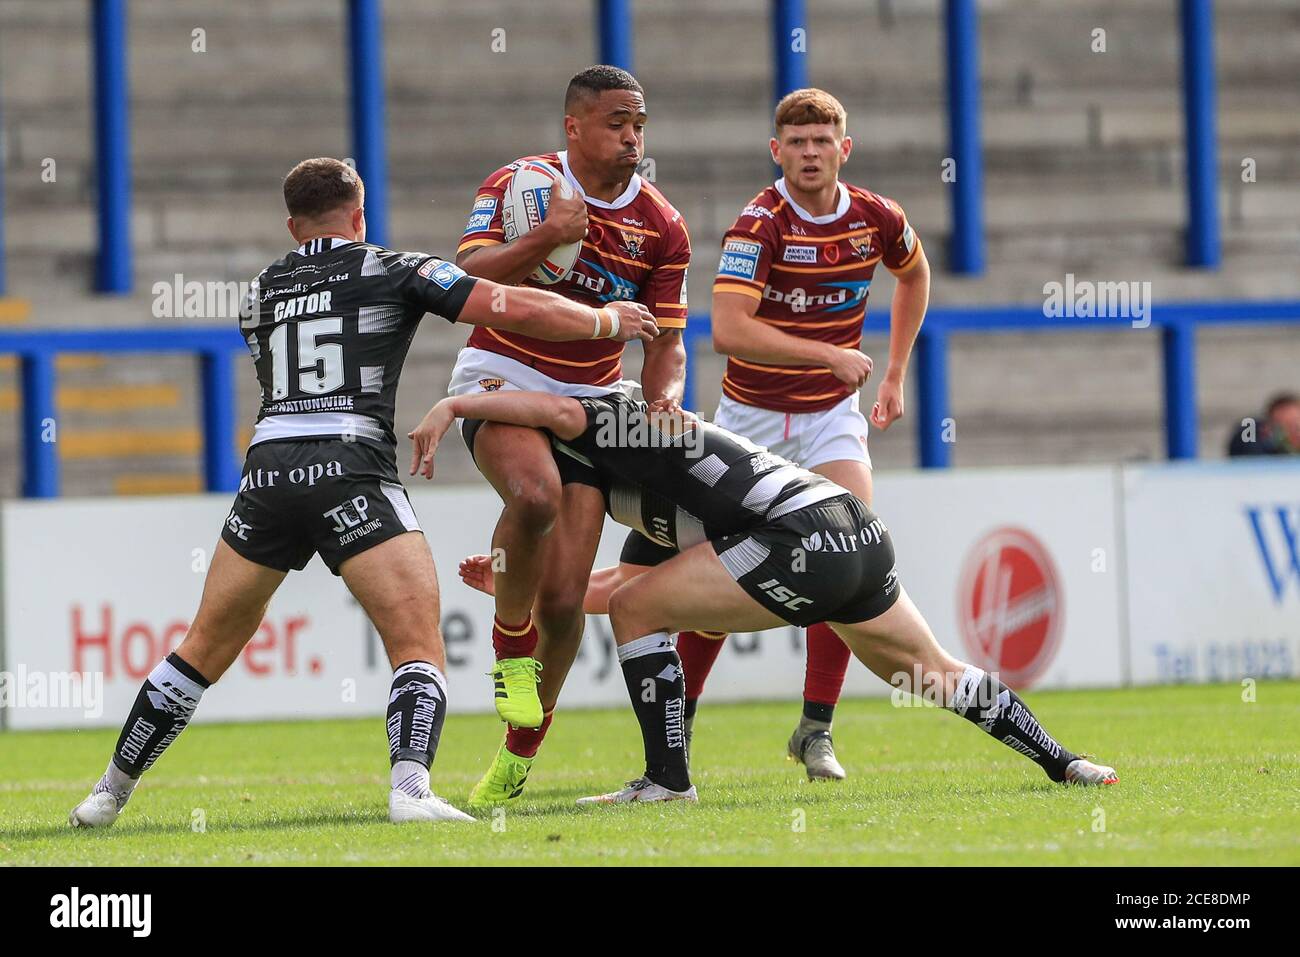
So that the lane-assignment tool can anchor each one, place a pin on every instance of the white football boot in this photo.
(642, 790)
(403, 808)
(1083, 771)
(100, 809)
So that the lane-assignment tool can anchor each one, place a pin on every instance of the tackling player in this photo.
(789, 302)
(634, 248)
(759, 543)
(328, 326)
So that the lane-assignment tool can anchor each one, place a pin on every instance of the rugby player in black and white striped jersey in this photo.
(329, 326)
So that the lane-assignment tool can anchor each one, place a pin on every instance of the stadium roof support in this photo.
(789, 47)
(614, 33)
(369, 111)
(1203, 247)
(113, 272)
(966, 249)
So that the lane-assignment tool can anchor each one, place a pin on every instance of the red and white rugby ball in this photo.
(524, 206)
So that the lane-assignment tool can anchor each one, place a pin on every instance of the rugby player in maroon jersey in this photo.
(635, 247)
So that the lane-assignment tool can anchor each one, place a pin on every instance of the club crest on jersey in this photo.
(832, 253)
(861, 246)
(441, 273)
(632, 243)
(491, 385)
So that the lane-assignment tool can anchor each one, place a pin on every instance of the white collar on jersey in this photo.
(808, 217)
(313, 246)
(633, 187)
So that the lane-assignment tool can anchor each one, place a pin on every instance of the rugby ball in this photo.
(527, 196)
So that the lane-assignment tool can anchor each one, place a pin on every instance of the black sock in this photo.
(691, 705)
(655, 683)
(162, 709)
(988, 703)
(816, 711)
(417, 707)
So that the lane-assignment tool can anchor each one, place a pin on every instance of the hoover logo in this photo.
(1009, 606)
(1277, 538)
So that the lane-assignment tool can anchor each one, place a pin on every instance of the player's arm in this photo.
(738, 332)
(562, 416)
(547, 315)
(663, 372)
(911, 270)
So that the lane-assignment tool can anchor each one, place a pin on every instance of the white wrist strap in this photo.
(613, 323)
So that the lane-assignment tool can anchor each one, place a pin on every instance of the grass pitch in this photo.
(1205, 778)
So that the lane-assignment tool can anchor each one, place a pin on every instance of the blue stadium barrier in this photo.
(790, 65)
(369, 113)
(1176, 323)
(1203, 247)
(215, 348)
(614, 33)
(112, 147)
(966, 246)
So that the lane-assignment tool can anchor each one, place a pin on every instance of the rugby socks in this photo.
(525, 742)
(984, 700)
(162, 709)
(828, 663)
(417, 707)
(653, 673)
(514, 641)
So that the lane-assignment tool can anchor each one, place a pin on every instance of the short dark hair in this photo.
(318, 186)
(595, 80)
(1281, 399)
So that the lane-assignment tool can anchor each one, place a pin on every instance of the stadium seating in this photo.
(1083, 174)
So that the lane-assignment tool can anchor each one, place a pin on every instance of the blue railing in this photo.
(219, 348)
(1176, 324)
(214, 347)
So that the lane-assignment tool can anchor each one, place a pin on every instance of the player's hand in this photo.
(665, 405)
(850, 366)
(427, 435)
(635, 321)
(889, 403)
(476, 572)
(566, 216)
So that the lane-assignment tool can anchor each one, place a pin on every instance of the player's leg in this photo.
(694, 590)
(235, 595)
(698, 650)
(827, 656)
(519, 464)
(899, 646)
(397, 586)
(570, 552)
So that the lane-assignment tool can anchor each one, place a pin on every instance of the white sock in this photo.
(410, 777)
(118, 783)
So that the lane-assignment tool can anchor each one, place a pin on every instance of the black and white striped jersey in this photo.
(329, 326)
(680, 490)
